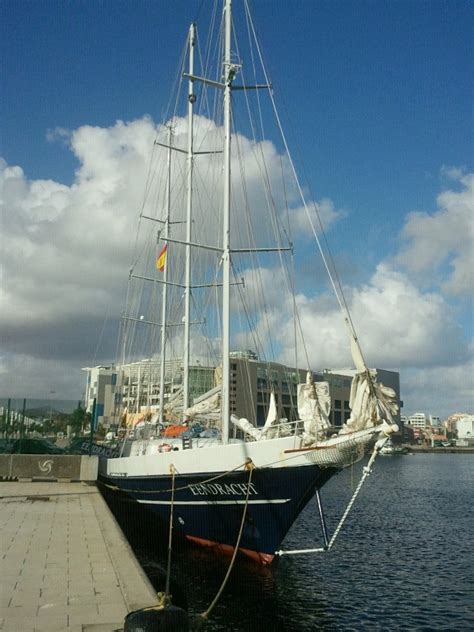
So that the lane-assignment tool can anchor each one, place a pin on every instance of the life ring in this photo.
(164, 447)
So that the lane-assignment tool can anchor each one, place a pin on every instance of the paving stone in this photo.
(17, 612)
(56, 568)
(110, 610)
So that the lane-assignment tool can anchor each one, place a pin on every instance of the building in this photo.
(136, 387)
(452, 421)
(465, 429)
(418, 421)
(101, 386)
(252, 381)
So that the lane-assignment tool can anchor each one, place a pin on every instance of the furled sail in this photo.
(314, 406)
(272, 415)
(210, 402)
(371, 403)
(174, 405)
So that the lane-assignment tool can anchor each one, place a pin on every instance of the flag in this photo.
(161, 261)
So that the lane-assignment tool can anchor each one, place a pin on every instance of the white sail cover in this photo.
(314, 406)
(273, 425)
(247, 427)
(371, 403)
(210, 402)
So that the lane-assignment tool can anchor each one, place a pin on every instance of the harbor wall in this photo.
(48, 467)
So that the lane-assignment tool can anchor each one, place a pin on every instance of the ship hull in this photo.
(208, 508)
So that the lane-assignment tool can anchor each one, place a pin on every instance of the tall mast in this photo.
(164, 291)
(187, 282)
(228, 73)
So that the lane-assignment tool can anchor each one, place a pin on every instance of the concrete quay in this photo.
(64, 563)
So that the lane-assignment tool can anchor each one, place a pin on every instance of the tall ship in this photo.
(224, 232)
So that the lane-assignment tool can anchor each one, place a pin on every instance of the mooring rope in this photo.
(250, 466)
(176, 489)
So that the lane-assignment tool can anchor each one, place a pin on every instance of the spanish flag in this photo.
(161, 261)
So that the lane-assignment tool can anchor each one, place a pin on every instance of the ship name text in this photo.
(216, 489)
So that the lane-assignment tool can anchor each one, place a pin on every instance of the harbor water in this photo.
(403, 561)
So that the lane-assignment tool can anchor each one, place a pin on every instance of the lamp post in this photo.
(51, 408)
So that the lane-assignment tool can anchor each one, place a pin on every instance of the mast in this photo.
(228, 72)
(187, 282)
(164, 291)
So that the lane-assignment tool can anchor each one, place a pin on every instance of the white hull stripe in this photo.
(277, 501)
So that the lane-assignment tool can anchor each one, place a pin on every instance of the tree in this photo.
(78, 419)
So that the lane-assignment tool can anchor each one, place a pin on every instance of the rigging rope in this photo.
(366, 471)
(333, 277)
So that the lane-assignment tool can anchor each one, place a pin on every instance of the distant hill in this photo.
(41, 407)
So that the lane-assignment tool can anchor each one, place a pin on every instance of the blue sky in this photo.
(379, 95)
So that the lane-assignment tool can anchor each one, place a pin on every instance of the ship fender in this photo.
(165, 447)
(161, 617)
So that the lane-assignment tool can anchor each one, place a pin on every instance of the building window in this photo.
(261, 415)
(337, 403)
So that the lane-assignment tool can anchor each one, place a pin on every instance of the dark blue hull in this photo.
(209, 508)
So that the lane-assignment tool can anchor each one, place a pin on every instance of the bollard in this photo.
(163, 616)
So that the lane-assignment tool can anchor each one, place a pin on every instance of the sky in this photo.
(379, 98)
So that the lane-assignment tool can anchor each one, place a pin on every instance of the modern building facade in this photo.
(101, 387)
(135, 387)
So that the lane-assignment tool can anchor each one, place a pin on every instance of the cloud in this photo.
(59, 134)
(40, 378)
(440, 246)
(67, 250)
(322, 213)
(441, 390)
(398, 326)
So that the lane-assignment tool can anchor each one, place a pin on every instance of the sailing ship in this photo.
(225, 479)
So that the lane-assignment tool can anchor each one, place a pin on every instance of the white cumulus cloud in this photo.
(442, 243)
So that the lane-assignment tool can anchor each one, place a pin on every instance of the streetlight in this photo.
(51, 408)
